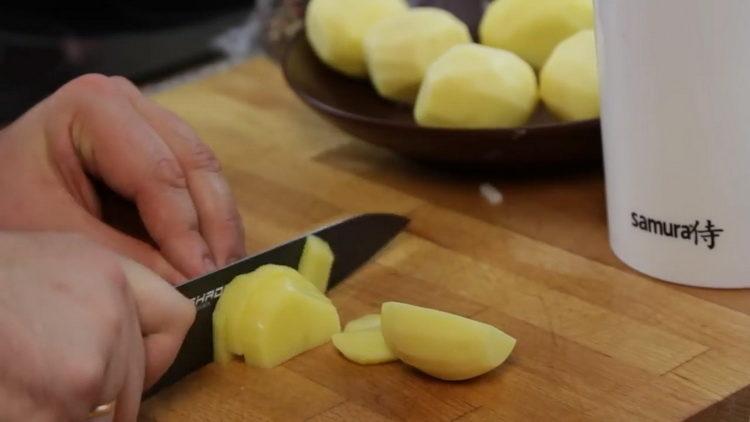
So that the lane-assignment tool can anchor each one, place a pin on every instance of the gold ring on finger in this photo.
(102, 409)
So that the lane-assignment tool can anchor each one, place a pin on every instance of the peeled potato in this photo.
(316, 262)
(399, 49)
(474, 86)
(270, 316)
(532, 28)
(335, 29)
(367, 322)
(569, 81)
(444, 345)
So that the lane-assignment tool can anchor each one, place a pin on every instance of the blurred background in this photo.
(44, 45)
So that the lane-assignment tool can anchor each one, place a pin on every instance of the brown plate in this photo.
(354, 106)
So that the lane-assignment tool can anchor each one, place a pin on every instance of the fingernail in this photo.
(208, 263)
(233, 259)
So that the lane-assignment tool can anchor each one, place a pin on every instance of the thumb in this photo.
(164, 314)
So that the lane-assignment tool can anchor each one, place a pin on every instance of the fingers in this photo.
(169, 214)
(123, 379)
(119, 350)
(134, 249)
(164, 316)
(139, 252)
(129, 399)
(80, 221)
(219, 220)
(119, 146)
(150, 156)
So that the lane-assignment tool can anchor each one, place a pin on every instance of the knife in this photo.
(353, 241)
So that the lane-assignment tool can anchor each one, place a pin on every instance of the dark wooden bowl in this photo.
(354, 106)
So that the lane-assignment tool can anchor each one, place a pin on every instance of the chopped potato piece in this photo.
(221, 350)
(237, 293)
(367, 322)
(316, 262)
(366, 347)
(362, 341)
(271, 315)
(441, 344)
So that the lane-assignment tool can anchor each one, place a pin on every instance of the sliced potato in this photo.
(236, 295)
(271, 315)
(444, 345)
(367, 322)
(532, 28)
(316, 262)
(400, 48)
(474, 86)
(569, 81)
(336, 28)
(232, 299)
(281, 324)
(366, 347)
(222, 354)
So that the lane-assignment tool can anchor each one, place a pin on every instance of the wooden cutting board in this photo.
(596, 341)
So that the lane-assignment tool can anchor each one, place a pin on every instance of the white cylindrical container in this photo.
(675, 83)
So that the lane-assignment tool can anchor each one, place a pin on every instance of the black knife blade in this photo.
(354, 241)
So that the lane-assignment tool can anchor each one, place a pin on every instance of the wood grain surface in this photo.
(596, 340)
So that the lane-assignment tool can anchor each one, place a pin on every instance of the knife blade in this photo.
(353, 241)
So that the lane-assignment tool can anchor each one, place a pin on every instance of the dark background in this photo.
(44, 45)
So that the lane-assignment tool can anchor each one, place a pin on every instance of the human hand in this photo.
(81, 326)
(103, 128)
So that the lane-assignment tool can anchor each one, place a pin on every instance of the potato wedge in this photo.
(316, 262)
(444, 345)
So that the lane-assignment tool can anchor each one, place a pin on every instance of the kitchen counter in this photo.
(596, 340)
